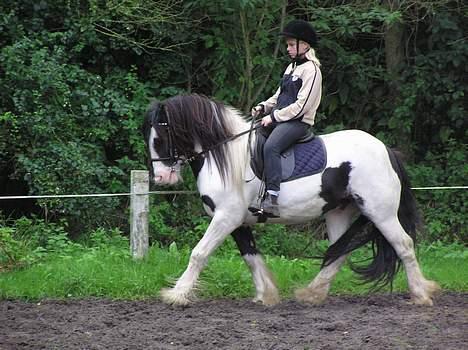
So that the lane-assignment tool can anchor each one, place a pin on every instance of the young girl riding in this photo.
(291, 110)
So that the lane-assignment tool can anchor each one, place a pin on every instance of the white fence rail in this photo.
(139, 206)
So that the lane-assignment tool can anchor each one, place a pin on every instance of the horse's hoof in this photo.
(433, 288)
(310, 296)
(257, 300)
(171, 297)
(422, 301)
(268, 299)
(271, 298)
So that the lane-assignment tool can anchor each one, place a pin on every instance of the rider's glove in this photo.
(257, 110)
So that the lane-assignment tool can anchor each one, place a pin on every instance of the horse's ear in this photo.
(154, 113)
(151, 118)
(157, 113)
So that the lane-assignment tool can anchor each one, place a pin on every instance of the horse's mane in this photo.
(196, 119)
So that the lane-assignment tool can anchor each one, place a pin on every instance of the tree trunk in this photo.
(394, 43)
(395, 62)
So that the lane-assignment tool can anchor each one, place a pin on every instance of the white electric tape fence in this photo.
(52, 196)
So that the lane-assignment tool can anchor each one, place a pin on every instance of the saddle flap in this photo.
(307, 157)
(287, 163)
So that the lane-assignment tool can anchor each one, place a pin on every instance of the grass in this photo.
(109, 272)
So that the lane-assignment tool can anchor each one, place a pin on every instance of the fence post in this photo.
(139, 207)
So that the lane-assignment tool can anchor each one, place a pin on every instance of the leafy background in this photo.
(77, 76)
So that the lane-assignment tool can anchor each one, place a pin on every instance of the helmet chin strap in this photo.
(298, 57)
(297, 49)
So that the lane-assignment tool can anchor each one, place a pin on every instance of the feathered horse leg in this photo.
(220, 227)
(338, 221)
(266, 291)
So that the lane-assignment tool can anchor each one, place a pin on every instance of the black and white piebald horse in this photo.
(362, 185)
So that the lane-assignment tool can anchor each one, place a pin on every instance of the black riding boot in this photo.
(270, 205)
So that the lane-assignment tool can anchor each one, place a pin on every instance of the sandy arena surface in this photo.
(343, 322)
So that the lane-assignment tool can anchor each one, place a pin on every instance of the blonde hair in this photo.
(310, 55)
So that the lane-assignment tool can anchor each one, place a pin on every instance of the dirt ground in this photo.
(343, 322)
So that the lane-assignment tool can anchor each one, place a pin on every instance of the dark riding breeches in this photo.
(280, 137)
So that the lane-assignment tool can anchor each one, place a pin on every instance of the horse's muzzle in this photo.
(167, 178)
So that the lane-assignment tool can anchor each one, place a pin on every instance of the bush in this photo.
(444, 210)
(28, 241)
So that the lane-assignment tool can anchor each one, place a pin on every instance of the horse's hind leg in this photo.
(338, 221)
(266, 291)
(420, 288)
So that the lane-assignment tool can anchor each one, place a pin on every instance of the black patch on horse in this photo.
(209, 202)
(197, 165)
(245, 240)
(334, 184)
(358, 199)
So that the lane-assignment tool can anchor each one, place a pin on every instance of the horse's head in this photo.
(193, 127)
(164, 162)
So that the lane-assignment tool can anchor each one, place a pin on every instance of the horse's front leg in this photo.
(222, 224)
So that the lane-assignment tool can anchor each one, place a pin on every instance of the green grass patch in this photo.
(110, 272)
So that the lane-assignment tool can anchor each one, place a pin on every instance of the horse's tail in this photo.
(408, 213)
(385, 262)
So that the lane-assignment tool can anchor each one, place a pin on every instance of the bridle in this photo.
(175, 156)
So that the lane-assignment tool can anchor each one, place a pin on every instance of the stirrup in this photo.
(261, 212)
(255, 210)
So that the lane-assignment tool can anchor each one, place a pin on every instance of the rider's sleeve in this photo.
(308, 97)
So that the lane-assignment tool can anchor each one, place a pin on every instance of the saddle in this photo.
(306, 157)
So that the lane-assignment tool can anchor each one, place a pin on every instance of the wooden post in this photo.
(139, 207)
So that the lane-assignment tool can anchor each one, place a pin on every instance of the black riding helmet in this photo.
(300, 30)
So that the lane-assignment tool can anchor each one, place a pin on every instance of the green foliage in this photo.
(289, 241)
(26, 242)
(11, 250)
(431, 105)
(69, 130)
(167, 225)
(239, 37)
(77, 77)
(445, 211)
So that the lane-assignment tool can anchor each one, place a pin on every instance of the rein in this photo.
(174, 155)
(196, 155)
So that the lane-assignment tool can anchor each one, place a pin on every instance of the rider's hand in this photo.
(257, 110)
(267, 120)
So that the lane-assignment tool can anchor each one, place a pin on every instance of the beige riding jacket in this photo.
(298, 95)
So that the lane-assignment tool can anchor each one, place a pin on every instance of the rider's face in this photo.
(292, 49)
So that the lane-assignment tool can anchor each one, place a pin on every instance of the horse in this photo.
(363, 192)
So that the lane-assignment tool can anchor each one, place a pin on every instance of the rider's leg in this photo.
(281, 138)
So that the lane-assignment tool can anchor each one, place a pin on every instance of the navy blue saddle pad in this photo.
(302, 159)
